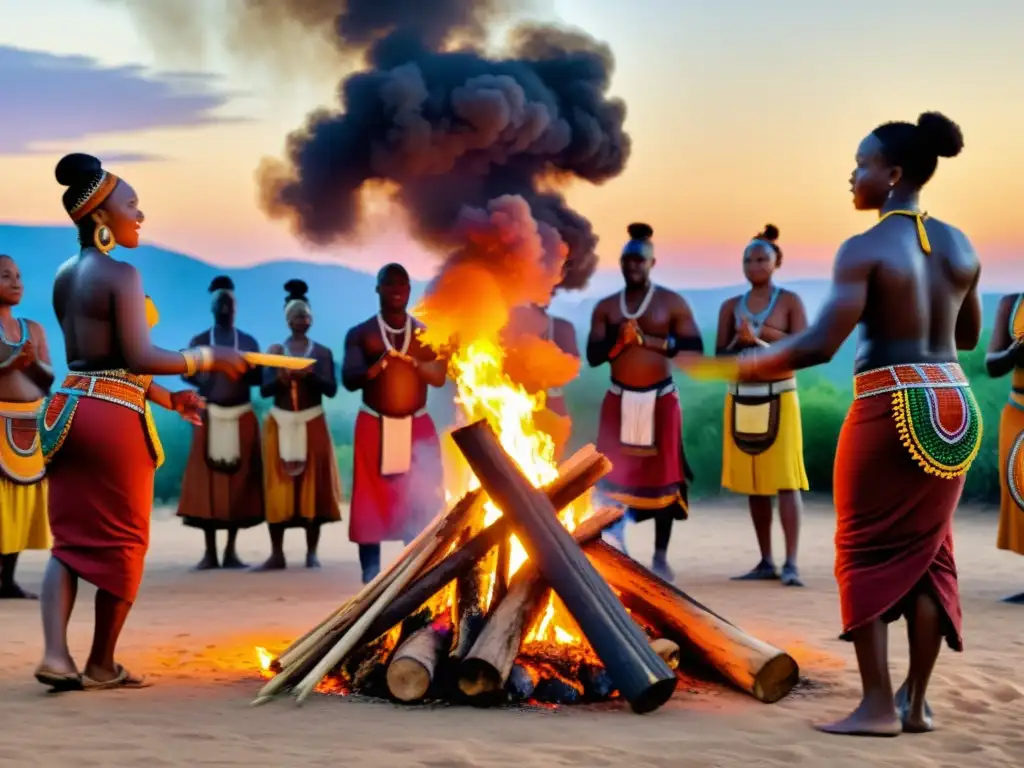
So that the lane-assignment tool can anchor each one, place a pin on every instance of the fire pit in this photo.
(466, 615)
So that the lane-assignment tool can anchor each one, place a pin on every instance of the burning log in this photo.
(763, 671)
(411, 671)
(485, 671)
(578, 474)
(470, 606)
(639, 673)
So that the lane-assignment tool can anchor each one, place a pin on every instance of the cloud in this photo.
(48, 98)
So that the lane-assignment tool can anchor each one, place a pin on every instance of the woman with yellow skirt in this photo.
(1006, 354)
(762, 452)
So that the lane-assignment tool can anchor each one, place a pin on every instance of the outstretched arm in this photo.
(140, 354)
(1003, 350)
(839, 317)
(159, 395)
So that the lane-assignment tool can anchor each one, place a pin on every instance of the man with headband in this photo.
(638, 331)
(397, 473)
(301, 484)
(222, 488)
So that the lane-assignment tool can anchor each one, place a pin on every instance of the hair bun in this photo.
(221, 283)
(939, 134)
(77, 168)
(769, 233)
(296, 289)
(640, 231)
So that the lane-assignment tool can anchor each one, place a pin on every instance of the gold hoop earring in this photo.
(103, 239)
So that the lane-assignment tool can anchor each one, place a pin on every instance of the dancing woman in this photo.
(914, 428)
(97, 432)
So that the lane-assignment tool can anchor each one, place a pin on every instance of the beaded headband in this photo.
(93, 195)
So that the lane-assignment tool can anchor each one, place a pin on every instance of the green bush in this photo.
(823, 404)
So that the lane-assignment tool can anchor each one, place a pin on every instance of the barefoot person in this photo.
(638, 331)
(542, 356)
(25, 379)
(1006, 355)
(301, 484)
(762, 451)
(222, 488)
(914, 427)
(397, 473)
(97, 432)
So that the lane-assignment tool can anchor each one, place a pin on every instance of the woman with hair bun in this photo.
(911, 283)
(301, 483)
(97, 431)
(763, 451)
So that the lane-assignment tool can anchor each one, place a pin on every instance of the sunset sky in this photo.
(740, 113)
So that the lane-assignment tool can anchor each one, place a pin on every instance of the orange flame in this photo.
(264, 658)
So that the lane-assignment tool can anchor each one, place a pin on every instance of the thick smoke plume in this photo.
(442, 125)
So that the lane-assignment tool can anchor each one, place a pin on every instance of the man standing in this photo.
(25, 379)
(397, 473)
(222, 488)
(638, 331)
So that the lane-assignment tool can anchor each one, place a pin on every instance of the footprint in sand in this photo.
(1005, 693)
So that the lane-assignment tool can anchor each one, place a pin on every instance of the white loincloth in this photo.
(223, 441)
(291, 431)
(637, 427)
(395, 442)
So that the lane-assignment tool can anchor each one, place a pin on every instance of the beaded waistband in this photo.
(895, 378)
(118, 387)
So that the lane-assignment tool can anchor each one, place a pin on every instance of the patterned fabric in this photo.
(935, 412)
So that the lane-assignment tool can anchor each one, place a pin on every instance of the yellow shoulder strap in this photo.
(152, 314)
(918, 216)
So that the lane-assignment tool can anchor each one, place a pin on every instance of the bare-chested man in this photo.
(911, 283)
(397, 474)
(638, 331)
(222, 488)
(25, 379)
(542, 356)
(762, 443)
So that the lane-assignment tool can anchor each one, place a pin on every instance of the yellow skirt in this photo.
(23, 521)
(779, 468)
(1011, 479)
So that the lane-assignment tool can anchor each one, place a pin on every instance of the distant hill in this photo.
(340, 296)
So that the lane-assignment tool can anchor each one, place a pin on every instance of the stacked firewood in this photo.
(638, 626)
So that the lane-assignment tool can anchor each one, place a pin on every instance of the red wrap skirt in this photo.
(899, 471)
(394, 507)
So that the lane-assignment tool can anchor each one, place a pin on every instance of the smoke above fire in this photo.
(443, 126)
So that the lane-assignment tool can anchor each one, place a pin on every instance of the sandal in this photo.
(59, 681)
(124, 679)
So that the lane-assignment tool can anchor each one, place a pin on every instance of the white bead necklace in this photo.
(386, 329)
(639, 310)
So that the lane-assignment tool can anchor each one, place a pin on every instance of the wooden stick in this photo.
(411, 671)
(763, 671)
(483, 674)
(349, 639)
(639, 673)
(302, 653)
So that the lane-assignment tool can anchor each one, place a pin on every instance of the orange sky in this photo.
(739, 115)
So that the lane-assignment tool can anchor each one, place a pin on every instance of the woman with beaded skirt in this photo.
(97, 431)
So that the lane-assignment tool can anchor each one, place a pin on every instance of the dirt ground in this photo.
(195, 633)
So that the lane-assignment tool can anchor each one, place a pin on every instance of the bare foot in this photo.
(913, 722)
(865, 722)
(272, 563)
(208, 563)
(13, 591)
(231, 561)
(312, 561)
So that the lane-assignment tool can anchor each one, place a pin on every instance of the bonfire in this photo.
(510, 596)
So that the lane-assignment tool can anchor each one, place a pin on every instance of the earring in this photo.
(103, 239)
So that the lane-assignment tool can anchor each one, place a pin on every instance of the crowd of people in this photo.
(79, 460)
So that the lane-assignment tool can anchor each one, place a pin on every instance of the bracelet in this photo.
(205, 359)
(197, 359)
(190, 362)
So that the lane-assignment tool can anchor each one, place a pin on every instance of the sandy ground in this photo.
(194, 634)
